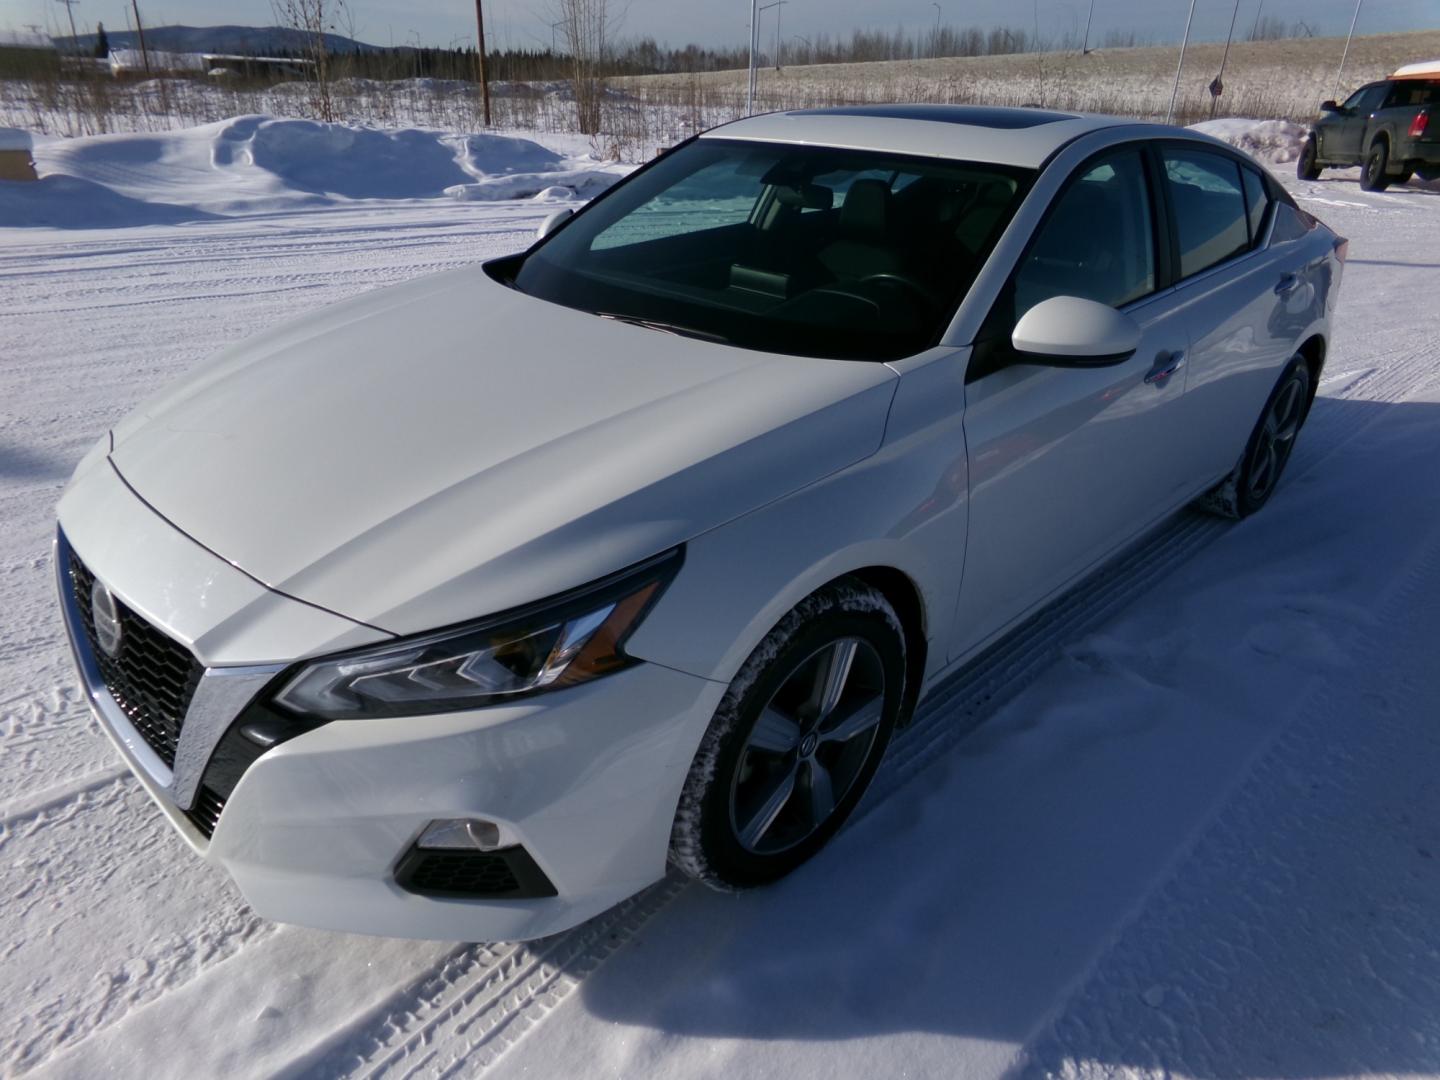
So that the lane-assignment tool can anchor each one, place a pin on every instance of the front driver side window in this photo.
(1098, 240)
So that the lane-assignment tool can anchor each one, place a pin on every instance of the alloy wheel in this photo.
(808, 747)
(1276, 439)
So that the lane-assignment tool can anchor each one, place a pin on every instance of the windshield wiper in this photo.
(664, 327)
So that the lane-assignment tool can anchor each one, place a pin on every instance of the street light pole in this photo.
(1218, 86)
(750, 87)
(1170, 113)
(1353, 19)
(480, 59)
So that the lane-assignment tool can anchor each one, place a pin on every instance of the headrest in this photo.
(866, 208)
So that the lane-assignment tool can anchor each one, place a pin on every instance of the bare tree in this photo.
(588, 27)
(316, 19)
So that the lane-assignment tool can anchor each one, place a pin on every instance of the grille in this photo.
(151, 678)
(469, 873)
(206, 812)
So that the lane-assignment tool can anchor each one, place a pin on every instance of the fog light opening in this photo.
(460, 834)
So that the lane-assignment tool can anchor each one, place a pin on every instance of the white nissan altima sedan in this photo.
(460, 609)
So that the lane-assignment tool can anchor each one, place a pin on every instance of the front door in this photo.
(1345, 141)
(1068, 463)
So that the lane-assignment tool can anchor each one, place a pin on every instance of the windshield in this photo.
(793, 249)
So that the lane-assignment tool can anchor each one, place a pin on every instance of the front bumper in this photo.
(585, 780)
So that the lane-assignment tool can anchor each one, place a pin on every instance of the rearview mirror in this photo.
(551, 223)
(1069, 331)
(1329, 106)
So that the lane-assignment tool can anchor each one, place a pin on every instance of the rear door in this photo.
(1246, 301)
(1068, 463)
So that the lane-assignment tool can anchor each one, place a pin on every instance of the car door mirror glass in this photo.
(1070, 331)
(551, 223)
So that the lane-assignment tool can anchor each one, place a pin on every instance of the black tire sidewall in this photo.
(1307, 169)
(1245, 502)
(725, 862)
(1372, 171)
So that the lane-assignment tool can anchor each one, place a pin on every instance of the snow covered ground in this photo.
(1185, 822)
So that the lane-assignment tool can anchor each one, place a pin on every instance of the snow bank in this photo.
(15, 139)
(1275, 141)
(258, 164)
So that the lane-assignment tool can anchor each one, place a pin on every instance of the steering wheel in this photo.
(891, 278)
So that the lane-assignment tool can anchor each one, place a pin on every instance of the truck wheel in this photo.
(1307, 168)
(1372, 173)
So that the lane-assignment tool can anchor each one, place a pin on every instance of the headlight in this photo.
(561, 642)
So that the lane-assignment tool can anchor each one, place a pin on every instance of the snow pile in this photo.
(15, 139)
(1275, 141)
(258, 164)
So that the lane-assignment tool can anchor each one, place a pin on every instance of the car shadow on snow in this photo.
(999, 883)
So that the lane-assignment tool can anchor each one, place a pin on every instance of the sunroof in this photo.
(974, 115)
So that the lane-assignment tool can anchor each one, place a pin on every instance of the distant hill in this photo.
(245, 40)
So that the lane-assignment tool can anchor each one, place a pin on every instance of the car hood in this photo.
(448, 448)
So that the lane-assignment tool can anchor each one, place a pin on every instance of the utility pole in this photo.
(480, 59)
(1353, 19)
(1085, 46)
(935, 44)
(1175, 93)
(1255, 30)
(140, 33)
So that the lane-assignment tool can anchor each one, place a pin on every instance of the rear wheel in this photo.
(1372, 173)
(1252, 483)
(1308, 167)
(795, 741)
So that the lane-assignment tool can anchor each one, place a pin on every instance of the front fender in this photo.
(902, 508)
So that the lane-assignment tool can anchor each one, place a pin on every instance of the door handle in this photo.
(1165, 367)
(1288, 284)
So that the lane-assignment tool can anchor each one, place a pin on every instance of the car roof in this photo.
(1020, 137)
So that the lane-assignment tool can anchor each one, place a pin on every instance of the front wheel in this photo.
(1308, 167)
(795, 741)
(1372, 175)
(1268, 451)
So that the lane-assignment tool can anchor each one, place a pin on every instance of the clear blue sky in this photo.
(525, 23)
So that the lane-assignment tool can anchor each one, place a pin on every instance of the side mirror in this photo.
(1329, 106)
(1068, 331)
(551, 223)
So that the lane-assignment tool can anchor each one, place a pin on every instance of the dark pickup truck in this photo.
(1384, 127)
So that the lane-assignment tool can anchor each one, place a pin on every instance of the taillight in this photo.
(1417, 126)
(1342, 248)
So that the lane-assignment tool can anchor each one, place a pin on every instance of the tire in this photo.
(754, 805)
(1308, 168)
(1268, 449)
(1372, 173)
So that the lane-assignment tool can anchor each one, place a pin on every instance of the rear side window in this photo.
(1257, 201)
(1098, 241)
(1210, 218)
(1410, 92)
